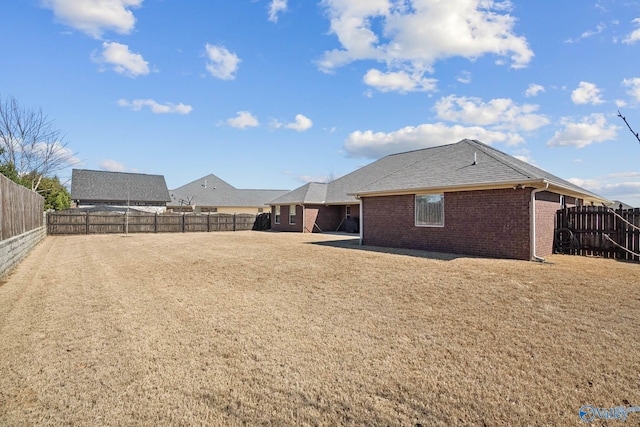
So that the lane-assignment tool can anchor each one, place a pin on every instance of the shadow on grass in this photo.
(354, 244)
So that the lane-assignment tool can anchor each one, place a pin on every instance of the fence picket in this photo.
(68, 222)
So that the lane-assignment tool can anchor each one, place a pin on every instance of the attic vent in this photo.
(475, 158)
(205, 184)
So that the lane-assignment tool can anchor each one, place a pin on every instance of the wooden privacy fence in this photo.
(21, 209)
(69, 222)
(600, 231)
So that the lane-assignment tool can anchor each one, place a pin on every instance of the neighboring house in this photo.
(464, 198)
(211, 194)
(116, 191)
(467, 198)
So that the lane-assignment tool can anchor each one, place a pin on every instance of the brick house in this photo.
(332, 206)
(467, 198)
(311, 208)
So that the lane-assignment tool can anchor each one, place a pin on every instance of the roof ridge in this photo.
(445, 147)
(120, 172)
(488, 150)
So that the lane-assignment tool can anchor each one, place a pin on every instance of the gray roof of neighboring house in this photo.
(215, 192)
(436, 167)
(617, 204)
(91, 185)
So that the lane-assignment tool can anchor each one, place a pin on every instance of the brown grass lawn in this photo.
(289, 329)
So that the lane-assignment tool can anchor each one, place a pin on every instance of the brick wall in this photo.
(284, 219)
(327, 218)
(492, 223)
(547, 204)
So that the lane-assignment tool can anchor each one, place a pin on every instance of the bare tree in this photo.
(629, 126)
(30, 143)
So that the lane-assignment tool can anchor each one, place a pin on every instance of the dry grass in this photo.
(289, 329)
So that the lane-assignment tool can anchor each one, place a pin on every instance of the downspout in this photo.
(535, 191)
(304, 219)
(360, 228)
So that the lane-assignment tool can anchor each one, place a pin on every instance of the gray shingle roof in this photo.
(436, 167)
(213, 191)
(311, 193)
(91, 185)
(453, 166)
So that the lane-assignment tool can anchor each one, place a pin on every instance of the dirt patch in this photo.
(282, 329)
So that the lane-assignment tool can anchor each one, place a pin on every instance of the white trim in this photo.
(294, 214)
(533, 223)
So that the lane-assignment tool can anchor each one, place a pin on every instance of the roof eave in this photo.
(451, 188)
(535, 183)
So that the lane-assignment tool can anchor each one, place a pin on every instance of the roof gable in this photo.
(310, 193)
(92, 185)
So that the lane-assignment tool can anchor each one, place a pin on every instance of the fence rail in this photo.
(21, 210)
(117, 223)
(599, 231)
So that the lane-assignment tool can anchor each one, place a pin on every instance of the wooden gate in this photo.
(599, 231)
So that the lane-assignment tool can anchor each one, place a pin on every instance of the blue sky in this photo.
(276, 93)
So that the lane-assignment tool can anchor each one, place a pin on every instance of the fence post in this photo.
(209, 223)
(155, 223)
(234, 222)
(184, 227)
(86, 215)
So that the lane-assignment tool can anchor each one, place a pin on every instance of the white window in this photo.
(430, 210)
(292, 214)
(277, 214)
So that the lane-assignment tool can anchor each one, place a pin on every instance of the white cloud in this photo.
(587, 131)
(243, 120)
(301, 124)
(589, 33)
(276, 7)
(371, 144)
(524, 155)
(634, 87)
(533, 90)
(464, 77)
(113, 166)
(399, 81)
(221, 63)
(411, 36)
(613, 187)
(122, 59)
(586, 93)
(499, 113)
(94, 17)
(635, 35)
(156, 108)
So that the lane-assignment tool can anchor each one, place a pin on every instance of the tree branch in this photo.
(629, 126)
